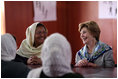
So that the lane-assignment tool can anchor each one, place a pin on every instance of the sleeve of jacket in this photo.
(109, 61)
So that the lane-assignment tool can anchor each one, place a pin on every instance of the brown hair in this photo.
(92, 27)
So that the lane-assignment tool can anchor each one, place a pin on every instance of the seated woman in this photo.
(30, 48)
(95, 53)
(9, 68)
(56, 57)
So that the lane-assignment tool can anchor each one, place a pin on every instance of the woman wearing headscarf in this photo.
(95, 53)
(30, 48)
(56, 58)
(10, 68)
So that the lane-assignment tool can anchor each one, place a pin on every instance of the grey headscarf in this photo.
(56, 57)
(8, 47)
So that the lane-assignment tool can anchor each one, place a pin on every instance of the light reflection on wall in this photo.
(2, 18)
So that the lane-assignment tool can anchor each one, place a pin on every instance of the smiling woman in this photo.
(94, 53)
(30, 48)
(40, 35)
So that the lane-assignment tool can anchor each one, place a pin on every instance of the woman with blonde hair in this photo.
(95, 53)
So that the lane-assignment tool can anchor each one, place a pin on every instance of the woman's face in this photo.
(86, 36)
(40, 35)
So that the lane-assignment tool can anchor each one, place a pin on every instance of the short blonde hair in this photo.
(92, 27)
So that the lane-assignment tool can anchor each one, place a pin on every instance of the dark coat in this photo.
(12, 69)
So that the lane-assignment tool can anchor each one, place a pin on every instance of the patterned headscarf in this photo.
(8, 47)
(55, 56)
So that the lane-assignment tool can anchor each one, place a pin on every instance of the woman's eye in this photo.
(84, 32)
(41, 32)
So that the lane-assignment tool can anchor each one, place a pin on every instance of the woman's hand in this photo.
(82, 63)
(34, 60)
(91, 64)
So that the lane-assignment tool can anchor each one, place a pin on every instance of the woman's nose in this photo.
(81, 35)
(42, 34)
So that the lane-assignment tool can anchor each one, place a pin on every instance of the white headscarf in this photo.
(55, 56)
(26, 48)
(8, 47)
